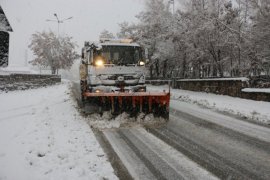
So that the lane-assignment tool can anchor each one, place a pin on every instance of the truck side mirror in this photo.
(82, 53)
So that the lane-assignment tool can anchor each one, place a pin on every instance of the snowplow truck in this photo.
(112, 78)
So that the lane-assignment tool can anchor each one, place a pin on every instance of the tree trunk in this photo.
(214, 71)
(157, 67)
(53, 69)
(165, 68)
(220, 69)
(151, 71)
(184, 66)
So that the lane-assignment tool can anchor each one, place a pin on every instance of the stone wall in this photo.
(224, 86)
(258, 96)
(158, 82)
(26, 81)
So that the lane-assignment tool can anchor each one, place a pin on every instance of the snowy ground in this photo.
(254, 110)
(42, 136)
(260, 90)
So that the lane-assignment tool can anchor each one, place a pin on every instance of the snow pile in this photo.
(253, 110)
(14, 69)
(243, 79)
(107, 120)
(260, 90)
(3, 72)
(42, 136)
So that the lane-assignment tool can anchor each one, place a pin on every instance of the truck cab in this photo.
(113, 65)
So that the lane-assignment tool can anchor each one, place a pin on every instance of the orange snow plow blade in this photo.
(132, 103)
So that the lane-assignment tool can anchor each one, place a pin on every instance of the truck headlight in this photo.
(98, 91)
(142, 89)
(141, 63)
(99, 62)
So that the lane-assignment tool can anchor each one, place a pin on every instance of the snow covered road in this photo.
(196, 143)
(147, 157)
(42, 136)
(193, 147)
(224, 151)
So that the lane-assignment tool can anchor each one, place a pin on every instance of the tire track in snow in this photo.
(226, 153)
(136, 146)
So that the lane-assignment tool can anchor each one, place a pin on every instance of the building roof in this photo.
(4, 24)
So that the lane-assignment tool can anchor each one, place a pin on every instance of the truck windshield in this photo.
(122, 55)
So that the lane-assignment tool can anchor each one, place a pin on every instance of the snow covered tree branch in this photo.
(53, 51)
(205, 38)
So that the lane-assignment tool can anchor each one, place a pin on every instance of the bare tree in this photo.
(53, 51)
(206, 38)
(261, 36)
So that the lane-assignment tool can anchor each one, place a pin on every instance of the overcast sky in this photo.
(90, 17)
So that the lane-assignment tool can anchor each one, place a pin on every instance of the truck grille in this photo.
(125, 77)
(129, 77)
(112, 77)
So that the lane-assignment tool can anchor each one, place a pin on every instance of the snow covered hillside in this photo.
(42, 136)
(254, 110)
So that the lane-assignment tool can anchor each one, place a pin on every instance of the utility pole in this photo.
(172, 3)
(58, 21)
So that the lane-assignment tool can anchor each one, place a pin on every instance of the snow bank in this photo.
(217, 79)
(42, 136)
(254, 110)
(18, 70)
(260, 90)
